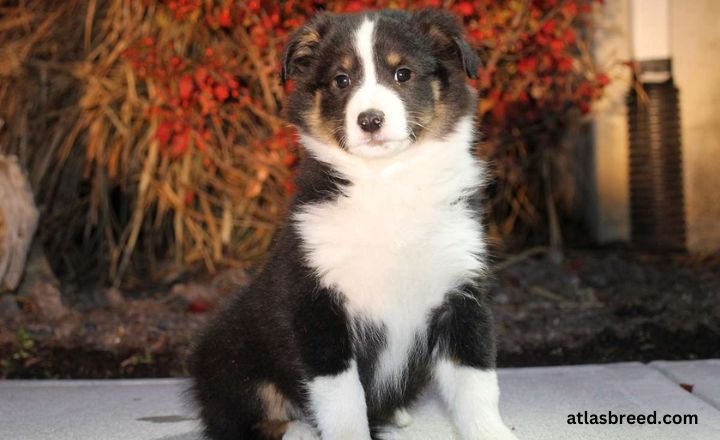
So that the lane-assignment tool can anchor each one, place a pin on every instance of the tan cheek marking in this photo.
(313, 116)
(436, 90)
(393, 59)
(435, 119)
(320, 128)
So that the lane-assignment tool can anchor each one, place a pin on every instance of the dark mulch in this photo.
(586, 306)
(607, 306)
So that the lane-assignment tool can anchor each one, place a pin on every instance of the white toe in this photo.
(402, 418)
(300, 431)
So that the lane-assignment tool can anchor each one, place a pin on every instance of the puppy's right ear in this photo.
(448, 40)
(302, 48)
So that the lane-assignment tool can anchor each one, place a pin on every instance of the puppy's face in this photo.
(374, 84)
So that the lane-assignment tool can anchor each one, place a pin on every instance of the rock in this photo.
(39, 291)
(194, 293)
(18, 221)
(37, 272)
(44, 300)
(114, 297)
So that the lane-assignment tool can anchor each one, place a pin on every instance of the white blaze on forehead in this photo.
(371, 95)
(364, 44)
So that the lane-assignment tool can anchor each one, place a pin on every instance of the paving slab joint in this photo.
(675, 379)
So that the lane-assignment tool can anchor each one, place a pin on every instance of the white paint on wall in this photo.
(650, 29)
(696, 59)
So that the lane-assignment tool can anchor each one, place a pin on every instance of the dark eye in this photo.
(342, 81)
(403, 74)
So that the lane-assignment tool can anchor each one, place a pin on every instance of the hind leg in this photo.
(227, 423)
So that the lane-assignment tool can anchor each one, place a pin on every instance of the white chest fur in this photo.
(399, 238)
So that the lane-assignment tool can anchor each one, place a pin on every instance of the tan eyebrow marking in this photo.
(310, 37)
(438, 35)
(393, 58)
(347, 63)
(306, 43)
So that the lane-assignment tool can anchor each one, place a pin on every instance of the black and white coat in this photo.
(372, 290)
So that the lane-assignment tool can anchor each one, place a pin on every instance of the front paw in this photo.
(347, 434)
(495, 431)
(300, 431)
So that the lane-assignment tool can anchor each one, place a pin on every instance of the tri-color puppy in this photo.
(372, 290)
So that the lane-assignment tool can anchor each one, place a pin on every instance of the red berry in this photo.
(186, 87)
(180, 144)
(224, 18)
(163, 133)
(527, 65)
(565, 64)
(354, 7)
(569, 9)
(557, 46)
(603, 80)
(198, 306)
(221, 92)
(548, 27)
(253, 6)
(465, 9)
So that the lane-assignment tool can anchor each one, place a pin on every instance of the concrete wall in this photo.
(695, 40)
(695, 43)
(607, 207)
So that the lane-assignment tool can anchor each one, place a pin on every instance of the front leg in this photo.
(336, 397)
(465, 366)
(338, 402)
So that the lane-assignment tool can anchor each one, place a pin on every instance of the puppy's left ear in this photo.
(301, 50)
(448, 39)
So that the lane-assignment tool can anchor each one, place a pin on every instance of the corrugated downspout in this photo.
(657, 212)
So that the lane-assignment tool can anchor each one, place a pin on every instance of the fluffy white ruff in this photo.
(338, 403)
(399, 238)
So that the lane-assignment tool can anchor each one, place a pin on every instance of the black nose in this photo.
(371, 120)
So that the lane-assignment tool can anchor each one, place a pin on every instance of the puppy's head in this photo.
(376, 83)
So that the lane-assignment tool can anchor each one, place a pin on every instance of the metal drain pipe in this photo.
(657, 202)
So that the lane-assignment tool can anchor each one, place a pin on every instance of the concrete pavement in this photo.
(536, 402)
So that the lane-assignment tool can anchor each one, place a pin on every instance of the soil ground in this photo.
(586, 306)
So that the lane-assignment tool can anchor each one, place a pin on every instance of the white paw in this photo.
(300, 431)
(502, 434)
(505, 434)
(402, 418)
(491, 432)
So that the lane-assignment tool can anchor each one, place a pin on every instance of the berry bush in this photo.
(166, 147)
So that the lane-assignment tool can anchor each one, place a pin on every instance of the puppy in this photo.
(372, 289)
